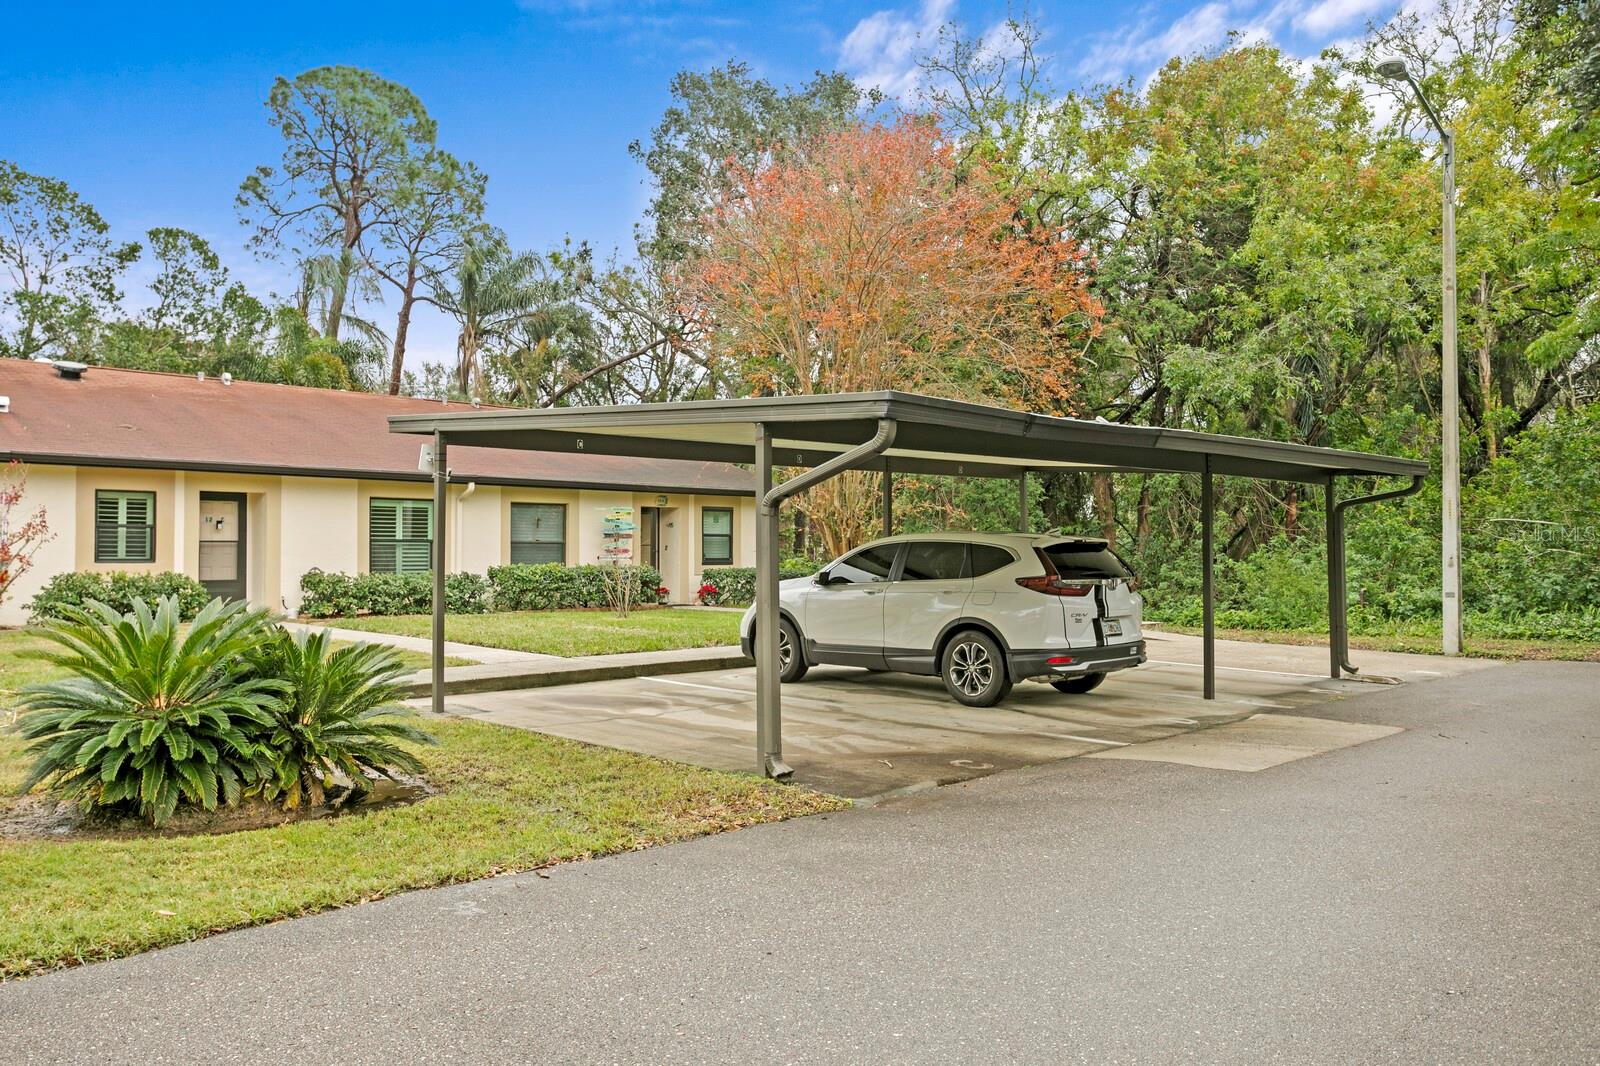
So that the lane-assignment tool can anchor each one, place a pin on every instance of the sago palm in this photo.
(340, 715)
(153, 715)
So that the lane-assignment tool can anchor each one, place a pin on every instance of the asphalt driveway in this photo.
(859, 734)
(1424, 896)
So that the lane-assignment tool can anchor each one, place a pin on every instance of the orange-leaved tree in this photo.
(870, 258)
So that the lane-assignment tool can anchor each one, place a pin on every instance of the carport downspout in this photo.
(888, 501)
(1022, 502)
(1208, 639)
(769, 715)
(441, 479)
(1338, 594)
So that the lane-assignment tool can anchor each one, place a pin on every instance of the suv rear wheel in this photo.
(974, 669)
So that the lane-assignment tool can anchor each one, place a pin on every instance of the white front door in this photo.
(844, 617)
(930, 594)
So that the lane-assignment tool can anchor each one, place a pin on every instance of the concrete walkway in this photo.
(1423, 897)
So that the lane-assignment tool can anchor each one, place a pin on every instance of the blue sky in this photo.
(154, 112)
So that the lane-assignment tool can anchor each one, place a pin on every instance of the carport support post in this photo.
(1335, 584)
(769, 715)
(441, 477)
(1208, 648)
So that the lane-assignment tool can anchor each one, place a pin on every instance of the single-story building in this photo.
(246, 486)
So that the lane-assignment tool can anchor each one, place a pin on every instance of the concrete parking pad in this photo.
(1256, 743)
(859, 734)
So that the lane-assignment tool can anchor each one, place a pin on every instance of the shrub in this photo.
(552, 586)
(153, 716)
(736, 585)
(330, 595)
(118, 591)
(340, 714)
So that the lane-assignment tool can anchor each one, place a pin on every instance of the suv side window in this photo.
(987, 558)
(865, 566)
(934, 560)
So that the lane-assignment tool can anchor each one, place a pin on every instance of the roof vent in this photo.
(5, 405)
(70, 370)
(227, 378)
(199, 375)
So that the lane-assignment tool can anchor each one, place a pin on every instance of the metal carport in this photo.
(895, 432)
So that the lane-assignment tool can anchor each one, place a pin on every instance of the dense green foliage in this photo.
(736, 585)
(155, 715)
(334, 595)
(117, 590)
(551, 586)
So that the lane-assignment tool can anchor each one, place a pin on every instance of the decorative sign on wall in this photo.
(616, 533)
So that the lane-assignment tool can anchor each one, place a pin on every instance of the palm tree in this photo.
(495, 290)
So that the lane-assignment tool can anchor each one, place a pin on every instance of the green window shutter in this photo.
(124, 527)
(716, 536)
(400, 536)
(538, 533)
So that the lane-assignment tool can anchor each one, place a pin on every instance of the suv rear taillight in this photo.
(1051, 585)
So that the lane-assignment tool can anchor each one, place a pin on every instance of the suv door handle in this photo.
(873, 592)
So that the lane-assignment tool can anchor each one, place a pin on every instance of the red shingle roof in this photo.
(136, 418)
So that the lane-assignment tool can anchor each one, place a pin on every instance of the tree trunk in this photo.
(1105, 506)
(1141, 522)
(402, 325)
(1485, 367)
(1291, 512)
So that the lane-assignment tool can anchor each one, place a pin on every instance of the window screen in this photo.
(933, 560)
(865, 566)
(538, 532)
(124, 527)
(400, 536)
(716, 536)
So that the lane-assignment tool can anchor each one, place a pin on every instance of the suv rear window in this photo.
(1080, 559)
(987, 558)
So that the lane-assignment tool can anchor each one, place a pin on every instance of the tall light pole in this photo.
(1450, 414)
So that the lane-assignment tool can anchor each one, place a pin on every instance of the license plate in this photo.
(1113, 627)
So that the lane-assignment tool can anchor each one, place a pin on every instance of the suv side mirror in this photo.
(823, 578)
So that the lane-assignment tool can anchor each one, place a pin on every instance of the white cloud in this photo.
(1330, 15)
(881, 51)
(1139, 45)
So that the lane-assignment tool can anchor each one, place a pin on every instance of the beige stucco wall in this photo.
(317, 517)
(298, 523)
(54, 488)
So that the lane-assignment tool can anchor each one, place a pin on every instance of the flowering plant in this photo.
(708, 594)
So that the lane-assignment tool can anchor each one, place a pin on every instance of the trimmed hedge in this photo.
(334, 595)
(736, 585)
(549, 586)
(117, 590)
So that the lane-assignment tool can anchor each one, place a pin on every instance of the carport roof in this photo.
(932, 436)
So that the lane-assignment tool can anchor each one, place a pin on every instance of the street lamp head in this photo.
(1394, 70)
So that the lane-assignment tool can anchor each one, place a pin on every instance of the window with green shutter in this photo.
(716, 536)
(124, 527)
(400, 536)
(538, 532)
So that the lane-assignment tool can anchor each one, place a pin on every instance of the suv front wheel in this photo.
(791, 660)
(974, 669)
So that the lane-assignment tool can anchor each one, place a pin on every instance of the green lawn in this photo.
(509, 800)
(1422, 641)
(569, 632)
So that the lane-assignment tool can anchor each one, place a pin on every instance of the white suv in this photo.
(981, 610)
